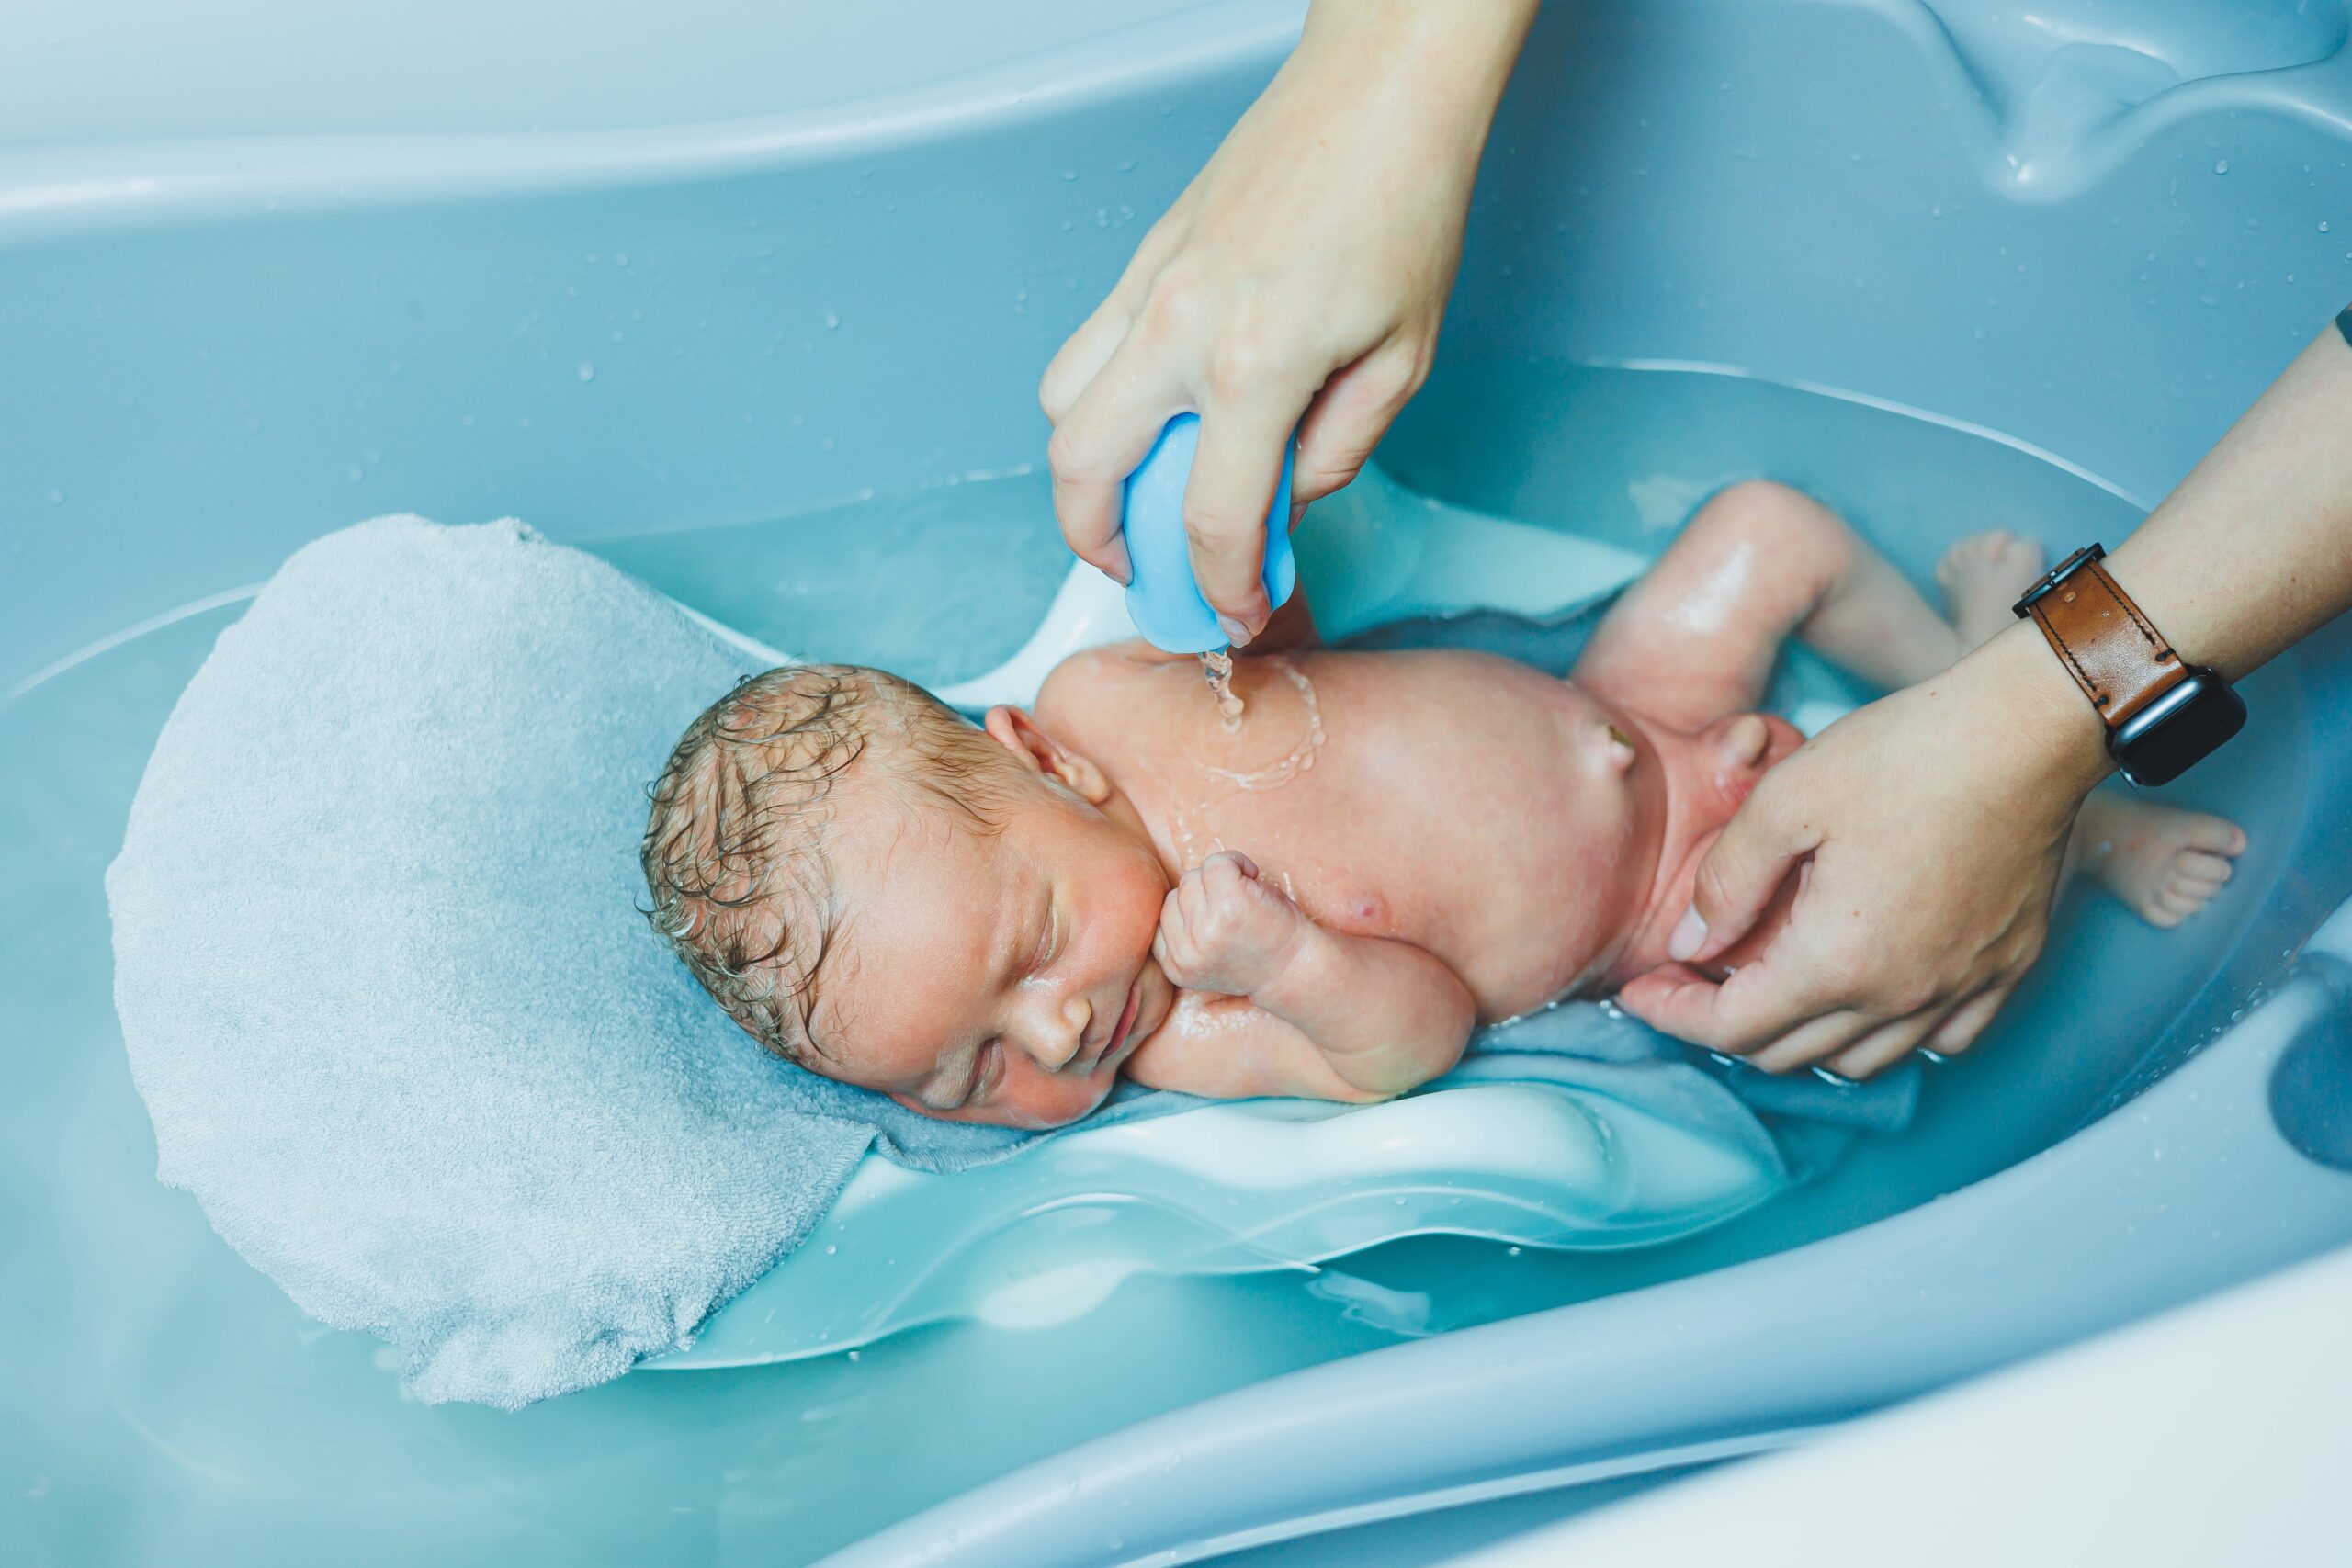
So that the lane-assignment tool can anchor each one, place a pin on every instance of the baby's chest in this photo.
(1389, 844)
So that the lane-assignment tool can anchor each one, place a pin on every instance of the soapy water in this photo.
(1300, 757)
(1190, 833)
(222, 1395)
(1216, 669)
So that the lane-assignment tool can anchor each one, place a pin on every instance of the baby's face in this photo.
(991, 977)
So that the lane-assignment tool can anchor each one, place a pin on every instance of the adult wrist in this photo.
(2014, 687)
(1453, 59)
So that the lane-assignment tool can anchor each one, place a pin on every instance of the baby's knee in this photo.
(1787, 523)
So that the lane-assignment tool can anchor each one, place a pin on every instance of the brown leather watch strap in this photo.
(2115, 654)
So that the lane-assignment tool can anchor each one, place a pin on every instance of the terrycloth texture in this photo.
(387, 993)
(402, 1032)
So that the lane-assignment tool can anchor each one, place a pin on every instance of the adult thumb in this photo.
(1737, 879)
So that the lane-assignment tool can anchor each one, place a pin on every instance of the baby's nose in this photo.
(1064, 1034)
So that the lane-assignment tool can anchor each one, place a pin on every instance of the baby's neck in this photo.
(1694, 818)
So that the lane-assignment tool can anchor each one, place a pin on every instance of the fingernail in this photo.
(1234, 632)
(1689, 935)
(1123, 570)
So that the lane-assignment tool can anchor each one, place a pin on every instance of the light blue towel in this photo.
(397, 1019)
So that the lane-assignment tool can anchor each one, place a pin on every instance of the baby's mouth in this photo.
(1119, 1031)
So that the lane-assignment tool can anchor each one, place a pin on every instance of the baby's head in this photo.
(958, 916)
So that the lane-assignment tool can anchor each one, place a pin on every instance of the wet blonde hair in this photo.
(735, 844)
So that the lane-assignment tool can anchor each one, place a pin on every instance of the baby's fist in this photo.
(1225, 929)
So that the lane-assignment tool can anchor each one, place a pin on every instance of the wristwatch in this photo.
(2163, 717)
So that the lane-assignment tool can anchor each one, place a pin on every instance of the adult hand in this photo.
(1928, 832)
(1297, 284)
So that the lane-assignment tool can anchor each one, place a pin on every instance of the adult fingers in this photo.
(1750, 1009)
(1886, 1045)
(1758, 850)
(1968, 1021)
(1082, 358)
(1235, 472)
(1347, 420)
(1099, 441)
(1089, 348)
(1812, 1040)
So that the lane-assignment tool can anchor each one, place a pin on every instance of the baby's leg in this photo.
(1696, 637)
(1982, 577)
(2163, 863)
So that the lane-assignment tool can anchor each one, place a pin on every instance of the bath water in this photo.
(153, 1367)
(1216, 669)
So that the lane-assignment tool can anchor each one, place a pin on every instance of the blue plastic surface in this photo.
(2100, 227)
(1164, 600)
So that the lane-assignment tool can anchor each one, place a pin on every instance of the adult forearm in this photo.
(2253, 551)
(1441, 64)
(2249, 555)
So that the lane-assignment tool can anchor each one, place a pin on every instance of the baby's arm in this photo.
(1328, 1014)
(1698, 634)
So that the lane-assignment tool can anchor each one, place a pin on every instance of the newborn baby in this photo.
(990, 924)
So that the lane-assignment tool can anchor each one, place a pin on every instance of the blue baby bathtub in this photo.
(593, 271)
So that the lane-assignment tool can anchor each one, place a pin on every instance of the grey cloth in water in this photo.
(400, 1025)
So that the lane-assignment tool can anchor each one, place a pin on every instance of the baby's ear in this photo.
(1018, 733)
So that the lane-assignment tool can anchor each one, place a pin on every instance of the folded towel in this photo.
(397, 1019)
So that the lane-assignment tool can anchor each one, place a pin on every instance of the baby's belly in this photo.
(1491, 872)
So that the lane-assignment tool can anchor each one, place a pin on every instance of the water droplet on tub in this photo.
(620, 258)
(1069, 173)
(832, 1247)
(2323, 225)
(2221, 166)
(832, 321)
(57, 498)
(354, 473)
(587, 371)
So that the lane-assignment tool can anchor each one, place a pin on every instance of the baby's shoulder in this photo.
(1100, 693)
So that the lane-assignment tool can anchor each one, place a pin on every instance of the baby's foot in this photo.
(2161, 861)
(1982, 577)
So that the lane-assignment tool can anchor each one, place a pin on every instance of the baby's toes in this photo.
(2202, 870)
(2215, 835)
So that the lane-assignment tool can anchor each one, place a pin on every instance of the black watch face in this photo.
(2177, 730)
